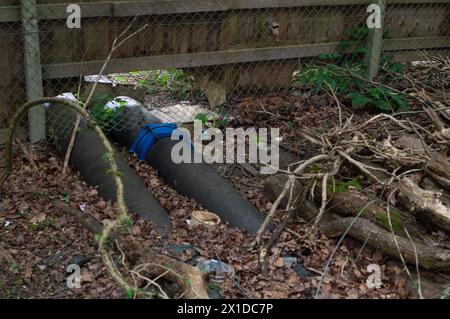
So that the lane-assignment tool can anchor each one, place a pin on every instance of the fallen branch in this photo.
(419, 285)
(426, 204)
(438, 169)
(349, 203)
(429, 257)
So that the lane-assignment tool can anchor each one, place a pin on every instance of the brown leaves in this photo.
(42, 253)
(33, 194)
(5, 255)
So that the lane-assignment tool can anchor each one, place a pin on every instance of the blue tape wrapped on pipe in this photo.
(148, 136)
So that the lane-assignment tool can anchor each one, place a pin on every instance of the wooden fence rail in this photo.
(196, 34)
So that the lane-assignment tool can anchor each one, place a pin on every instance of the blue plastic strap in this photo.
(148, 136)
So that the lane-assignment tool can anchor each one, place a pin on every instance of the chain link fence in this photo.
(188, 59)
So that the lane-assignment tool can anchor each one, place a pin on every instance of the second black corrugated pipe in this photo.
(196, 180)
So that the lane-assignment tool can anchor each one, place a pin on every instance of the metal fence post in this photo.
(33, 72)
(375, 42)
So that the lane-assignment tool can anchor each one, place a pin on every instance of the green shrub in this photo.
(176, 82)
(106, 117)
(343, 73)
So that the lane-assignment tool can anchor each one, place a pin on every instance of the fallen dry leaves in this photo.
(43, 243)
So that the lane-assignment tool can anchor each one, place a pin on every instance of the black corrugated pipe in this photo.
(87, 158)
(196, 180)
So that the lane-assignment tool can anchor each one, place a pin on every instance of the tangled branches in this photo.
(385, 160)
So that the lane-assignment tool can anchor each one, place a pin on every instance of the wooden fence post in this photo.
(33, 71)
(375, 42)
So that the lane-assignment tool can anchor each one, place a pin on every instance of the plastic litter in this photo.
(204, 218)
(120, 101)
(298, 267)
(217, 269)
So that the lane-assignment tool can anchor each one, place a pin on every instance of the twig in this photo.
(391, 228)
(290, 215)
(361, 250)
(419, 287)
(360, 166)
(327, 265)
(324, 202)
(425, 146)
(338, 105)
(163, 294)
(277, 202)
(116, 44)
(27, 154)
(77, 122)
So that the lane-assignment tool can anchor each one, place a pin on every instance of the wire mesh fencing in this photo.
(184, 60)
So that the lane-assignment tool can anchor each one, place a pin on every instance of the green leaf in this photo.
(383, 105)
(358, 99)
(129, 294)
(202, 117)
(375, 92)
(328, 56)
(363, 50)
(345, 44)
(400, 101)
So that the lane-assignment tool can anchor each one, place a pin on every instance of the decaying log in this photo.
(349, 203)
(438, 169)
(428, 184)
(429, 257)
(425, 203)
(189, 278)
